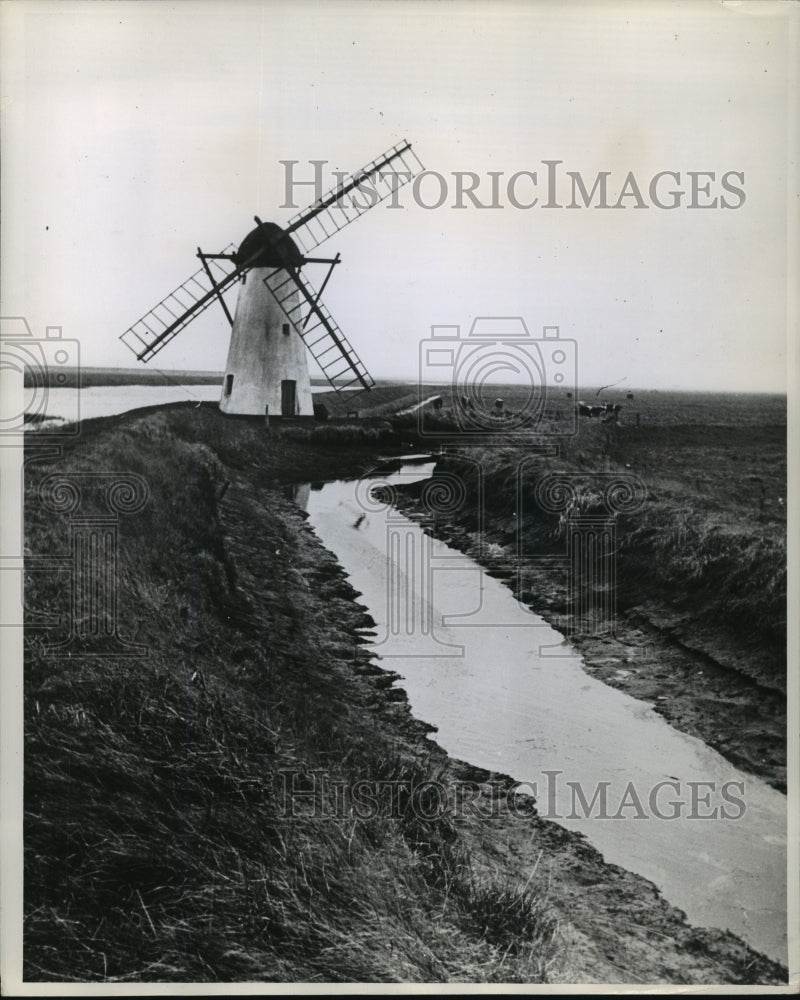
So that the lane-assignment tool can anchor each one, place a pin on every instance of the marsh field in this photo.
(157, 845)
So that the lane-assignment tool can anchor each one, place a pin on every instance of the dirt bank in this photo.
(159, 843)
(742, 719)
(688, 638)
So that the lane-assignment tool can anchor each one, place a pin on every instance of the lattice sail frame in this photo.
(318, 330)
(337, 208)
(175, 311)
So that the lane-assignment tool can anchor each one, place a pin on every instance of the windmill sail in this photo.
(319, 331)
(354, 196)
(175, 311)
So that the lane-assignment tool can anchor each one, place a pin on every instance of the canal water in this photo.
(507, 693)
(90, 402)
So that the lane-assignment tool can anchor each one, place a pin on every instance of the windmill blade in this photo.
(319, 331)
(175, 311)
(355, 195)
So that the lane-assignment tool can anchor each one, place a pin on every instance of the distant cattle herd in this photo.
(606, 411)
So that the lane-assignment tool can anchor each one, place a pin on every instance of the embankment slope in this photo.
(699, 567)
(157, 841)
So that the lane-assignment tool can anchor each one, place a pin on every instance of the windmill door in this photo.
(288, 398)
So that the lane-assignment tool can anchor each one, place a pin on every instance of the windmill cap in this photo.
(270, 246)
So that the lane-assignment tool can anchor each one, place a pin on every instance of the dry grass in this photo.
(710, 540)
(156, 844)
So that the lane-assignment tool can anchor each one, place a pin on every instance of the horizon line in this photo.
(407, 380)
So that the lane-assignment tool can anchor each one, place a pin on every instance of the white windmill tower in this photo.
(278, 314)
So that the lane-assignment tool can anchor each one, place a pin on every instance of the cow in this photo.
(609, 411)
(437, 402)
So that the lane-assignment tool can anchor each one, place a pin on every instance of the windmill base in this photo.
(282, 402)
(267, 367)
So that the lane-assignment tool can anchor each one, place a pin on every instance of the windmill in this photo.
(278, 316)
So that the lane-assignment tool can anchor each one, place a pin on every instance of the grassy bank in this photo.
(157, 847)
(704, 555)
(700, 565)
(157, 841)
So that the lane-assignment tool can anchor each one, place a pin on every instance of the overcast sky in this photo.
(134, 132)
